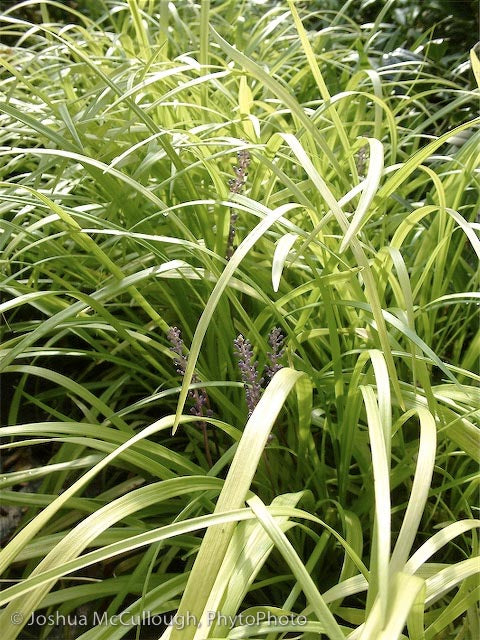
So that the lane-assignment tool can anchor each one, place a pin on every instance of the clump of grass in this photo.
(355, 240)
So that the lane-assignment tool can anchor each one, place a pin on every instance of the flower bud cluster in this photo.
(199, 396)
(249, 371)
(237, 185)
(248, 366)
(275, 340)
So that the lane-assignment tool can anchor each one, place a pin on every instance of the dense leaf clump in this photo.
(239, 278)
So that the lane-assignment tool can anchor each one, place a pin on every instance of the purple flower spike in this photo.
(199, 396)
(249, 367)
(248, 371)
(275, 340)
(174, 336)
(236, 185)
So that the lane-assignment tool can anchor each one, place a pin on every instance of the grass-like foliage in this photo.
(240, 322)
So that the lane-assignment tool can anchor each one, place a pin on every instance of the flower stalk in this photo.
(237, 185)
